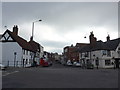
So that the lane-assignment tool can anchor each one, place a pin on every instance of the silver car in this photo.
(2, 67)
(77, 64)
(69, 63)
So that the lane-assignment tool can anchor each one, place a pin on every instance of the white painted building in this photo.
(101, 54)
(16, 51)
(38, 50)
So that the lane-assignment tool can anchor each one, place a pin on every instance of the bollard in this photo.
(8, 63)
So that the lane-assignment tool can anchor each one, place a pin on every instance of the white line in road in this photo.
(10, 73)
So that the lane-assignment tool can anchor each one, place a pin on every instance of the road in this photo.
(59, 76)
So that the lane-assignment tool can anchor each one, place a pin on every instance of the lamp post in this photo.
(33, 27)
(15, 53)
(97, 62)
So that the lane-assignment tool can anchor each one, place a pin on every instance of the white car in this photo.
(69, 63)
(2, 67)
(77, 64)
(74, 63)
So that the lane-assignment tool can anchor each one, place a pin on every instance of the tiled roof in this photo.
(108, 45)
(85, 48)
(22, 42)
(82, 46)
(35, 46)
(112, 44)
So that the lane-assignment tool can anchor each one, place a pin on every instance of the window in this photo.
(23, 51)
(30, 53)
(104, 52)
(86, 54)
(26, 52)
(29, 61)
(83, 55)
(108, 53)
(107, 62)
(26, 61)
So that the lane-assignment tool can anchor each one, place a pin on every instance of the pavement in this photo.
(59, 76)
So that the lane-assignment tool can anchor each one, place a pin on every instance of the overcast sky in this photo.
(63, 23)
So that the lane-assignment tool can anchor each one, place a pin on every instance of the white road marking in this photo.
(10, 73)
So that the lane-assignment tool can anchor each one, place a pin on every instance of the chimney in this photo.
(91, 36)
(108, 38)
(71, 45)
(15, 30)
(92, 39)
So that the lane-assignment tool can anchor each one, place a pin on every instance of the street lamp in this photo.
(33, 27)
(15, 53)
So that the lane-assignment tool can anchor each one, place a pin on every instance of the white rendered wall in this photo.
(41, 51)
(102, 59)
(8, 49)
(28, 57)
(117, 55)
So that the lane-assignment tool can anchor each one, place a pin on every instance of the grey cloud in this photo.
(64, 16)
(54, 44)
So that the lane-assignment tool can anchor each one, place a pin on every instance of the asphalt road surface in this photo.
(59, 76)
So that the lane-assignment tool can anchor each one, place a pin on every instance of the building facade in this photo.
(101, 54)
(96, 53)
(16, 51)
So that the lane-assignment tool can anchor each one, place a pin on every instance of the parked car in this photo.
(2, 67)
(74, 63)
(77, 64)
(50, 63)
(63, 62)
(69, 63)
(45, 63)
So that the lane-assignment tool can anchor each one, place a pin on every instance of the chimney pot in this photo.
(108, 38)
(92, 39)
(31, 38)
(15, 30)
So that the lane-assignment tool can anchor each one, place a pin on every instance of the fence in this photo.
(16, 63)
